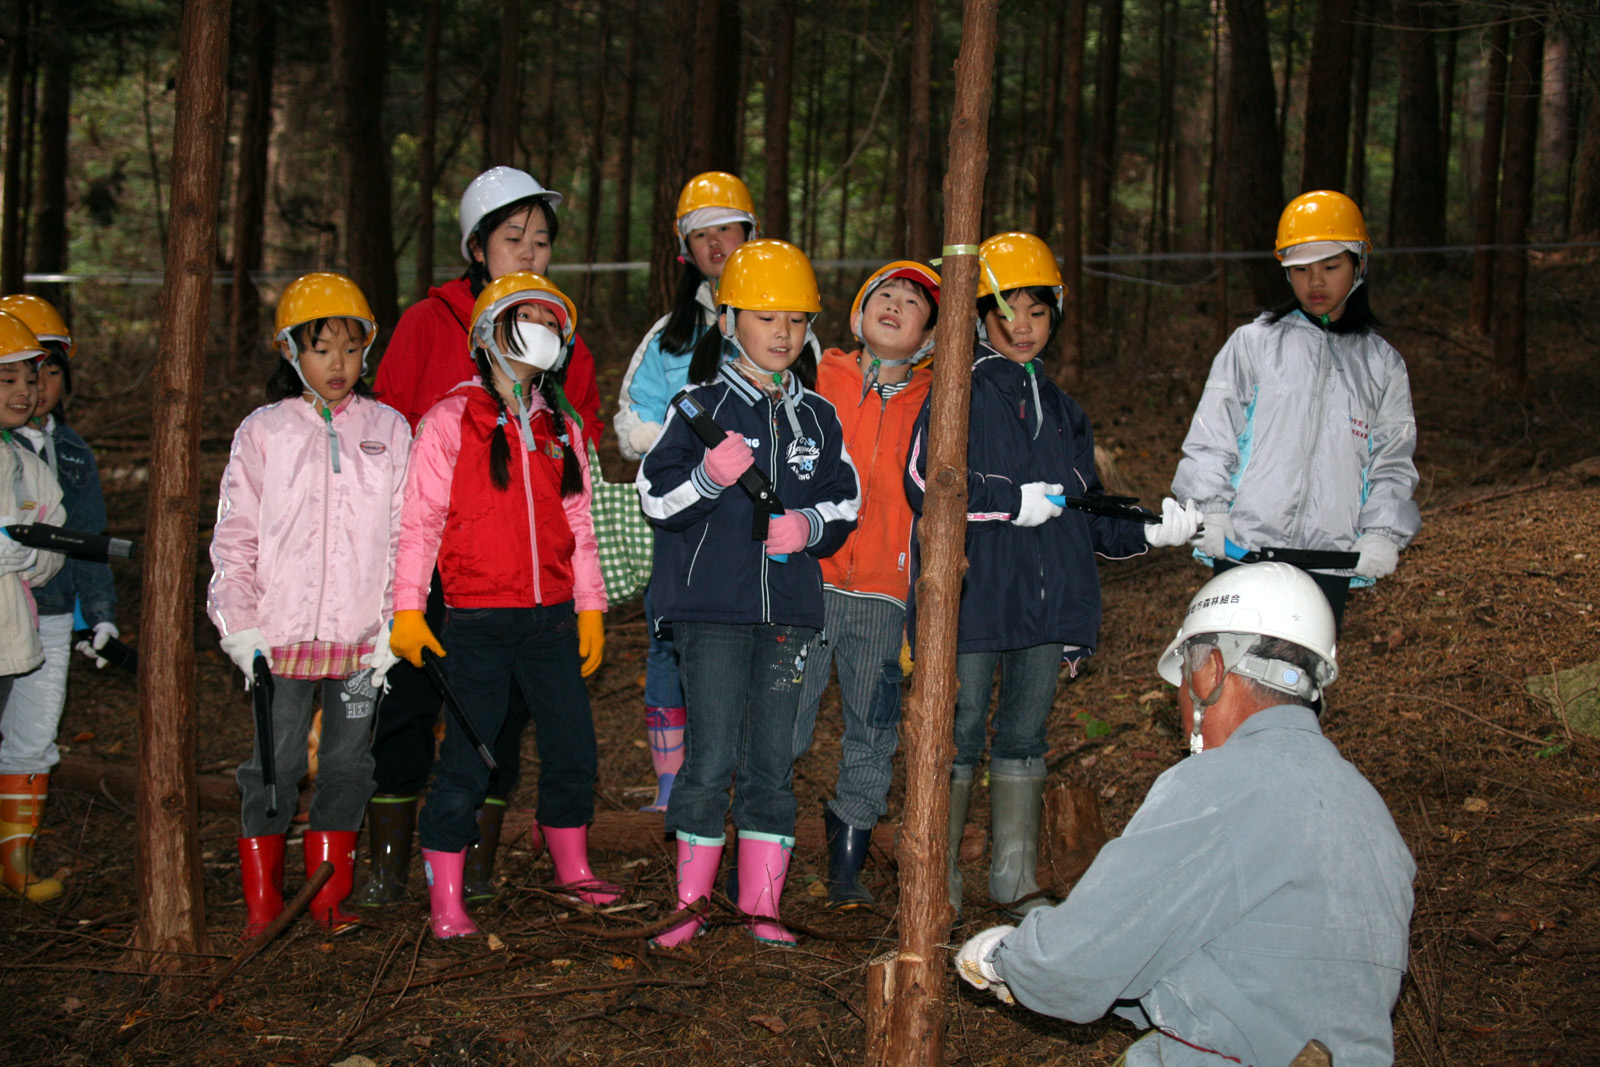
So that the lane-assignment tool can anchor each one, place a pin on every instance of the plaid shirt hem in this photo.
(318, 659)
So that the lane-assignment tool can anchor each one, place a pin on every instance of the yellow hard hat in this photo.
(716, 188)
(1323, 215)
(41, 317)
(17, 342)
(321, 295)
(521, 287)
(768, 275)
(1017, 261)
(920, 273)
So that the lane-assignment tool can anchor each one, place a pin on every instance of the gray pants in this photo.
(344, 762)
(862, 637)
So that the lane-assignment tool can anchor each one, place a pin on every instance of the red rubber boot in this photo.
(261, 872)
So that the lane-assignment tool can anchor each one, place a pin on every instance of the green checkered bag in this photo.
(625, 536)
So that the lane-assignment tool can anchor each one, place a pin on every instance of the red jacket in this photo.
(519, 547)
(429, 356)
(876, 557)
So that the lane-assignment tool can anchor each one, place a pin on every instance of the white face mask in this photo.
(541, 348)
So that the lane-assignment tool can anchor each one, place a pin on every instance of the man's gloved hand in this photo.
(1035, 508)
(1379, 556)
(410, 634)
(382, 656)
(103, 632)
(643, 437)
(788, 532)
(242, 646)
(972, 962)
(13, 556)
(591, 640)
(728, 460)
(1218, 529)
(1178, 524)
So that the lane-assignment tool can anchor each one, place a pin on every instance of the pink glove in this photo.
(786, 533)
(728, 460)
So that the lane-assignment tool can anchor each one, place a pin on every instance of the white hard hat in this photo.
(494, 189)
(1266, 599)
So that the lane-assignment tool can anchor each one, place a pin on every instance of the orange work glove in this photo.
(591, 640)
(411, 635)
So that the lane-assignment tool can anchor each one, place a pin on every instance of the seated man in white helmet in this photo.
(1261, 895)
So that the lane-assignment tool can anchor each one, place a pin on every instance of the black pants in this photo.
(1336, 587)
(402, 742)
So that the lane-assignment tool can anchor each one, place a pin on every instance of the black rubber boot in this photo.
(847, 851)
(477, 877)
(391, 821)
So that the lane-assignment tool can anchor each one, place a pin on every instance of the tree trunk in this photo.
(552, 83)
(1070, 368)
(1557, 140)
(717, 65)
(506, 110)
(360, 67)
(917, 982)
(427, 147)
(622, 240)
(50, 189)
(596, 162)
(1287, 95)
(1044, 197)
(1526, 76)
(1416, 203)
(11, 199)
(780, 106)
(1255, 164)
(250, 187)
(674, 64)
(1361, 94)
(852, 84)
(918, 208)
(172, 917)
(1480, 313)
(1326, 142)
(1447, 93)
(1103, 154)
(1583, 223)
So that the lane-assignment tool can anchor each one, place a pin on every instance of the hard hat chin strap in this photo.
(1237, 658)
(749, 368)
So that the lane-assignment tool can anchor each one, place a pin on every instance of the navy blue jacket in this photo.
(707, 567)
(1031, 585)
(75, 469)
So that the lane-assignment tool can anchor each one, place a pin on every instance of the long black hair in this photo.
(284, 383)
(478, 269)
(1041, 294)
(550, 387)
(712, 350)
(678, 336)
(56, 356)
(1357, 317)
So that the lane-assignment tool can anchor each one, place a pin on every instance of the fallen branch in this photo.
(599, 987)
(700, 907)
(288, 915)
(1478, 718)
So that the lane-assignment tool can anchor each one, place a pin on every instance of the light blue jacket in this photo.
(654, 377)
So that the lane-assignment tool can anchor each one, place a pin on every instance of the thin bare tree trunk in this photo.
(1447, 93)
(913, 984)
(674, 65)
(172, 916)
(780, 106)
(1103, 154)
(1044, 197)
(1326, 141)
(1583, 223)
(596, 162)
(1526, 77)
(50, 190)
(1416, 203)
(919, 213)
(851, 85)
(12, 202)
(1287, 95)
(1070, 368)
(622, 240)
(727, 88)
(506, 110)
(250, 186)
(427, 148)
(1360, 95)
(1480, 305)
(1255, 164)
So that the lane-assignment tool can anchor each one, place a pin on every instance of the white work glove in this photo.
(1035, 508)
(14, 556)
(1379, 556)
(1217, 529)
(1177, 524)
(972, 963)
(91, 646)
(382, 657)
(643, 437)
(242, 646)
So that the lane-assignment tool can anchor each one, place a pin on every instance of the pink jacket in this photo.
(302, 552)
(519, 547)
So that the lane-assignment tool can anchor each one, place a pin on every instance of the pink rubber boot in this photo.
(698, 858)
(443, 872)
(569, 851)
(763, 866)
(664, 726)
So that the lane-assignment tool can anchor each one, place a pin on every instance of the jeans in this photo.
(742, 684)
(1027, 690)
(663, 685)
(862, 637)
(491, 651)
(33, 710)
(344, 764)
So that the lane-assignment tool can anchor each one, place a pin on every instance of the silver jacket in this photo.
(1305, 437)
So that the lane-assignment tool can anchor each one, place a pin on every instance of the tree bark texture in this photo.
(427, 149)
(674, 65)
(1069, 370)
(715, 109)
(1447, 91)
(1255, 164)
(50, 188)
(1103, 153)
(1071, 835)
(919, 182)
(250, 186)
(167, 846)
(1524, 81)
(360, 66)
(1360, 96)
(12, 202)
(1049, 149)
(506, 110)
(597, 156)
(1326, 143)
(1417, 199)
(916, 1028)
(1480, 305)
(1583, 223)
(622, 238)
(780, 107)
